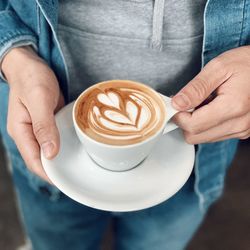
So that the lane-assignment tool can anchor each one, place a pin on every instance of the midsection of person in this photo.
(110, 39)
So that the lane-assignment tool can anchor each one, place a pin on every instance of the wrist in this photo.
(15, 60)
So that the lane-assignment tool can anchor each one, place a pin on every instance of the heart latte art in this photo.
(119, 112)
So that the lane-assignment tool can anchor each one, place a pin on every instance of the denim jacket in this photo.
(34, 22)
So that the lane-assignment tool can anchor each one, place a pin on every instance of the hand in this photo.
(33, 99)
(227, 78)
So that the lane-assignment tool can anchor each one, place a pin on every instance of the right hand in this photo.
(33, 100)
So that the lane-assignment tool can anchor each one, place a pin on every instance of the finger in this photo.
(243, 135)
(41, 107)
(221, 109)
(22, 134)
(30, 150)
(237, 127)
(197, 90)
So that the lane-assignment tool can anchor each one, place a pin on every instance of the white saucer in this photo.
(155, 180)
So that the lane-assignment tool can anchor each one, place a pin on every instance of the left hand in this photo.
(228, 114)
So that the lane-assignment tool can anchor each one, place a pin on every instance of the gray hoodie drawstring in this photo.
(158, 16)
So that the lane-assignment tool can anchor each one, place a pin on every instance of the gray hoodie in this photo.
(156, 42)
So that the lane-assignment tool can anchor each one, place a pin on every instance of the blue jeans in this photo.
(63, 224)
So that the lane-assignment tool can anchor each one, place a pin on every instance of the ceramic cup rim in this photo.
(112, 145)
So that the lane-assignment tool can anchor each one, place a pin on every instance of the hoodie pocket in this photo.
(128, 19)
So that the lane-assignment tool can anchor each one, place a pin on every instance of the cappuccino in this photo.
(120, 112)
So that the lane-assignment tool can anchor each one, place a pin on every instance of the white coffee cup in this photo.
(124, 157)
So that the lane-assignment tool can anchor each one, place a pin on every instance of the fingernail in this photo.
(47, 148)
(180, 101)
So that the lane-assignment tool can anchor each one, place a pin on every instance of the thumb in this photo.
(199, 88)
(44, 125)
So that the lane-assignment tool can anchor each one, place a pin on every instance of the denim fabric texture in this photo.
(64, 224)
(226, 26)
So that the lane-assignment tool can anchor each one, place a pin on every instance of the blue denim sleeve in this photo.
(13, 33)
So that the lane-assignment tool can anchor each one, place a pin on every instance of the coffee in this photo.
(120, 112)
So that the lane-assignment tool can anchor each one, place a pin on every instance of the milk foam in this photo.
(132, 111)
(110, 99)
(118, 114)
(117, 119)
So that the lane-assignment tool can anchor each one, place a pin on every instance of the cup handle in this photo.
(170, 113)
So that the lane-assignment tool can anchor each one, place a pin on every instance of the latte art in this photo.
(119, 112)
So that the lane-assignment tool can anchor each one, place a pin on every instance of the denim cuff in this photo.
(13, 33)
